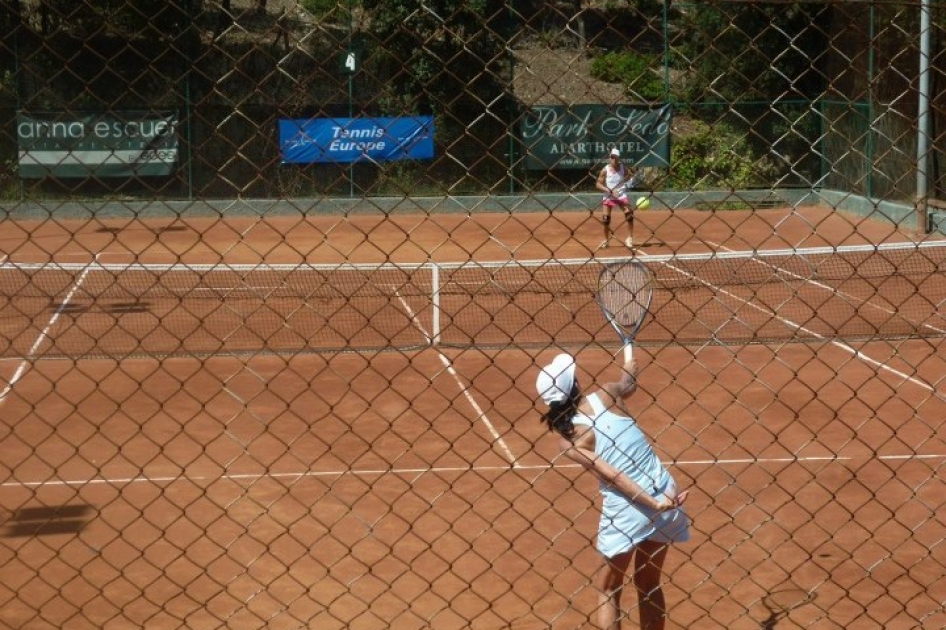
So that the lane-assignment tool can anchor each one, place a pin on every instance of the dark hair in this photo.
(561, 414)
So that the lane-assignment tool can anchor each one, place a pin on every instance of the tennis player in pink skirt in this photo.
(614, 180)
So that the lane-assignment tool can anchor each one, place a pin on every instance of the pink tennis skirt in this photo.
(616, 202)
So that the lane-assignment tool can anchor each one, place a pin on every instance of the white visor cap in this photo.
(556, 380)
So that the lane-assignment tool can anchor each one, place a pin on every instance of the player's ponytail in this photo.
(560, 415)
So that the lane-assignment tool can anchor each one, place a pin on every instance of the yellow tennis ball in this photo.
(642, 203)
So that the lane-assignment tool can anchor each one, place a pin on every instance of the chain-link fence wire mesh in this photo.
(240, 391)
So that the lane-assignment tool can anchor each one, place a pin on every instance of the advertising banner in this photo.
(581, 136)
(307, 141)
(115, 144)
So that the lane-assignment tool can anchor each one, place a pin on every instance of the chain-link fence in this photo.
(279, 276)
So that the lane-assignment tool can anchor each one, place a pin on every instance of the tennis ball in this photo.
(642, 203)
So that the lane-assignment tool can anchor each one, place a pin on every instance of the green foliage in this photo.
(404, 178)
(141, 18)
(632, 69)
(321, 8)
(7, 83)
(440, 54)
(9, 179)
(751, 51)
(716, 157)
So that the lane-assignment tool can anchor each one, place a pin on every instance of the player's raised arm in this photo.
(627, 380)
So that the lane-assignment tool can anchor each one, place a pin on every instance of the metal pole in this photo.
(351, 110)
(18, 75)
(351, 167)
(871, 129)
(511, 103)
(923, 123)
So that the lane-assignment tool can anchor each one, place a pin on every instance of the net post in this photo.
(435, 303)
(921, 209)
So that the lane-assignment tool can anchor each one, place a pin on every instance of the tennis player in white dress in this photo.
(641, 511)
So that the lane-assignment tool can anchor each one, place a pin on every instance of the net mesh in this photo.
(853, 293)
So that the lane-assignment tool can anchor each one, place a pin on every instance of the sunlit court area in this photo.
(277, 303)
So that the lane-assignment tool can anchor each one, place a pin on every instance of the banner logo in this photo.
(119, 144)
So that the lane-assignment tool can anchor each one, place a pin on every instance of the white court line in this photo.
(43, 336)
(838, 344)
(418, 472)
(464, 389)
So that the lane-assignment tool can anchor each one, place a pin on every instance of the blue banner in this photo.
(305, 141)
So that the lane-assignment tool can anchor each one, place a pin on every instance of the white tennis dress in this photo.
(624, 524)
(614, 180)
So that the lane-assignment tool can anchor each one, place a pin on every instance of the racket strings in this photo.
(626, 292)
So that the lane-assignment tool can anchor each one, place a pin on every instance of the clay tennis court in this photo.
(158, 484)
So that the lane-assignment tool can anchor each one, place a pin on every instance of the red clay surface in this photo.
(417, 489)
(421, 238)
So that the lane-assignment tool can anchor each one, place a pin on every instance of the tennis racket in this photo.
(625, 291)
(632, 182)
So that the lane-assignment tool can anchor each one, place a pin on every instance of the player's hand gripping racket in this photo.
(625, 291)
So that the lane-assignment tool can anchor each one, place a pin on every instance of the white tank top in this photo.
(621, 443)
(614, 178)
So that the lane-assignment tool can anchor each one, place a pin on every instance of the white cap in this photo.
(615, 153)
(556, 380)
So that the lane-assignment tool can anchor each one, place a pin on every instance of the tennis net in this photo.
(811, 294)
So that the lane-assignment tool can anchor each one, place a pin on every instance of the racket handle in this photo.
(628, 352)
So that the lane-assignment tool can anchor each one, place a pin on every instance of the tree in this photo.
(751, 51)
(11, 15)
(126, 18)
(437, 51)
